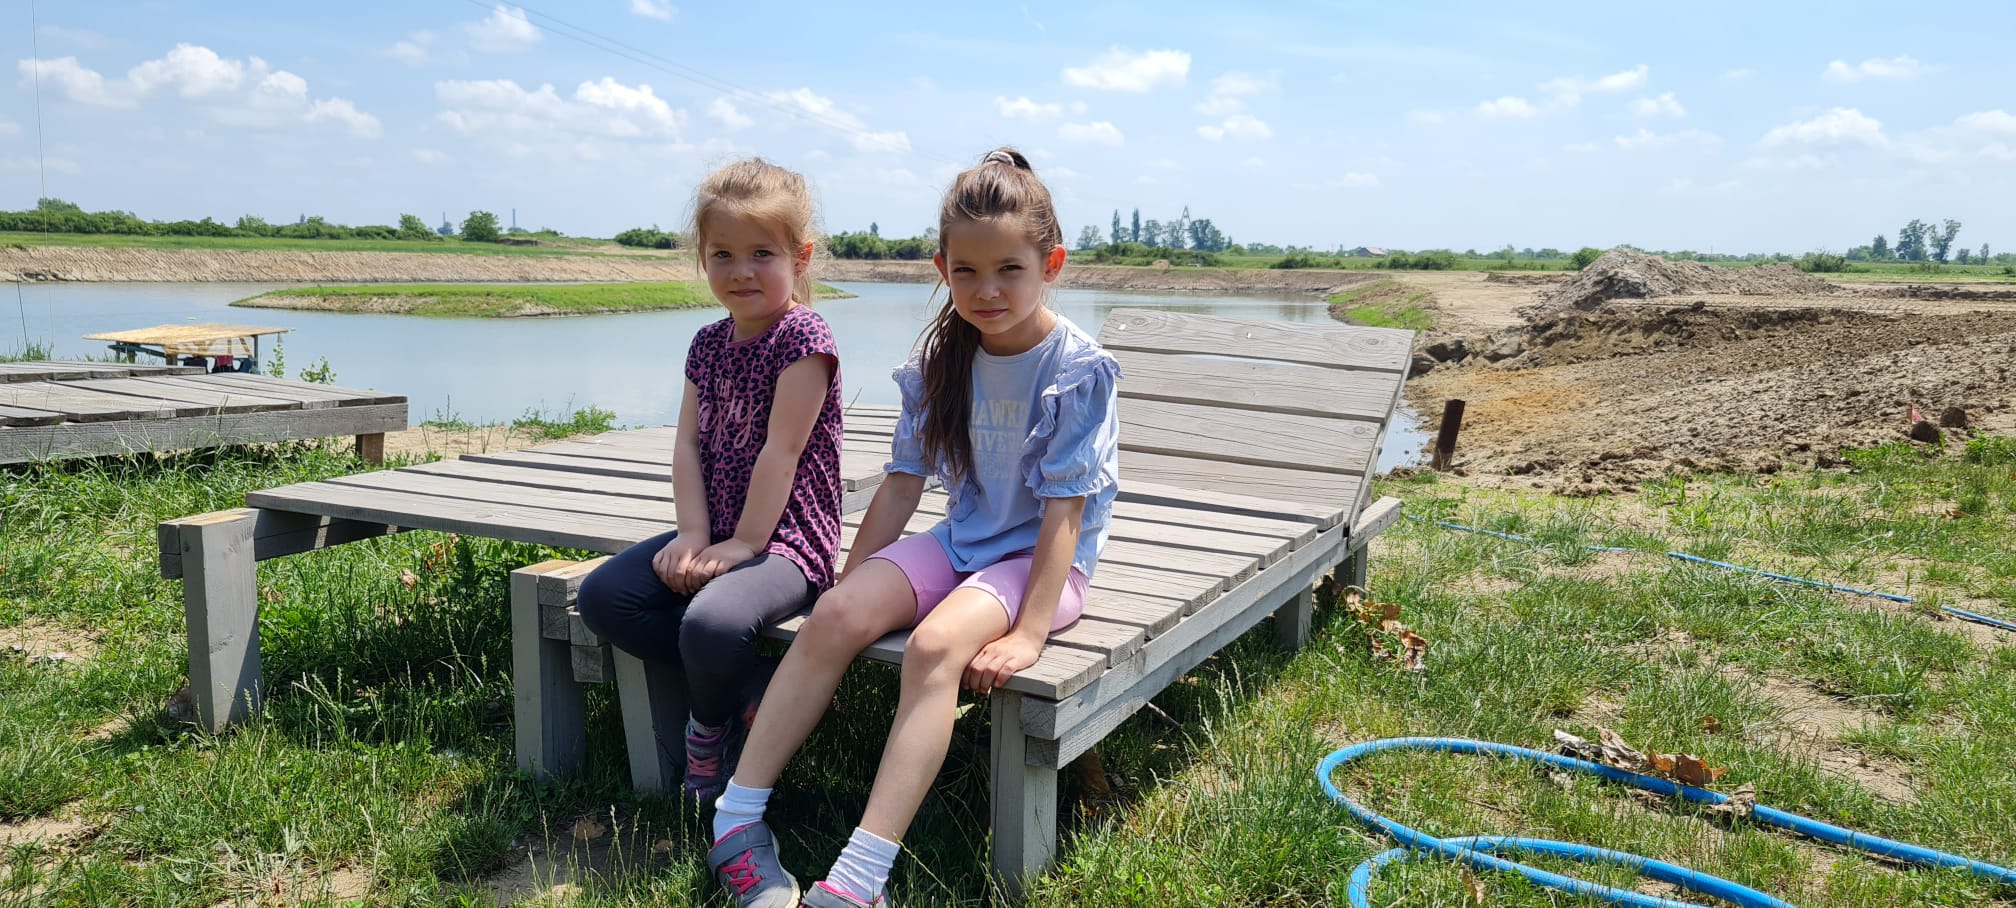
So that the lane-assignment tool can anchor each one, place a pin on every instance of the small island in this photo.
(501, 300)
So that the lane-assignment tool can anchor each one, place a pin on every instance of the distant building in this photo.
(1369, 252)
(447, 229)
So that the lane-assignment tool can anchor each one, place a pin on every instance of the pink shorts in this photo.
(924, 562)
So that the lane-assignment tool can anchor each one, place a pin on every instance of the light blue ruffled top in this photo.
(1044, 425)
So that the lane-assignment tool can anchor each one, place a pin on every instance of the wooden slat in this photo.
(1339, 347)
(174, 386)
(1248, 437)
(274, 534)
(500, 495)
(68, 370)
(80, 405)
(1183, 540)
(589, 466)
(1060, 668)
(658, 489)
(72, 439)
(1241, 503)
(23, 416)
(281, 387)
(190, 399)
(1294, 532)
(1256, 385)
(1329, 493)
(518, 523)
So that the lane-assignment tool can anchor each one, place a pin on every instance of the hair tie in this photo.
(997, 156)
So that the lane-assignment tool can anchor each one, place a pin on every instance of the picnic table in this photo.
(1245, 453)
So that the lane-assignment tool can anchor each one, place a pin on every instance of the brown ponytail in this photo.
(1002, 186)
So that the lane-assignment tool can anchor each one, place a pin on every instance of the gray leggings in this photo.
(708, 635)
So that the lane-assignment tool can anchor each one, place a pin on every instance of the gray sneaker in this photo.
(823, 895)
(745, 861)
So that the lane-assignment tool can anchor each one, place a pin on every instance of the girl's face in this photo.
(751, 267)
(998, 279)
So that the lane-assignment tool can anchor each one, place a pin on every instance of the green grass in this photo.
(1389, 303)
(504, 300)
(385, 749)
(569, 246)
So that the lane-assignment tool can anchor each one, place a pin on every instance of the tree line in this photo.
(59, 216)
(1918, 241)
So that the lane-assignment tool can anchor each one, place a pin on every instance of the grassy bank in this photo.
(449, 245)
(382, 770)
(500, 300)
(1390, 303)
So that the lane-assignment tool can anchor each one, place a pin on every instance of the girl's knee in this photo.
(935, 644)
(844, 618)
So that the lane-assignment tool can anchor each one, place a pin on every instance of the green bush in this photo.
(648, 238)
(1991, 450)
(1303, 258)
(1585, 256)
(1426, 260)
(481, 227)
(1823, 262)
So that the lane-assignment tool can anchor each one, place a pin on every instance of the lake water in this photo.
(493, 370)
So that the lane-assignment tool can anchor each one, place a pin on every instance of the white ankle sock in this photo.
(863, 867)
(738, 807)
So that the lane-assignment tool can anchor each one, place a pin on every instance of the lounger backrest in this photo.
(1294, 412)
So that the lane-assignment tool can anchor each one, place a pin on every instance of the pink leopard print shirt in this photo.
(737, 382)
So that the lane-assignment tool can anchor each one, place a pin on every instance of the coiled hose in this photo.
(1478, 851)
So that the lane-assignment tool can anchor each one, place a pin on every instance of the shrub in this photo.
(1585, 256)
(481, 227)
(647, 238)
(1426, 260)
(1823, 262)
(1991, 450)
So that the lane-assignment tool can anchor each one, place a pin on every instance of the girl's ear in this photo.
(803, 260)
(943, 275)
(1054, 262)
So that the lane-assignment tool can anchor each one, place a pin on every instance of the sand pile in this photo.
(1630, 274)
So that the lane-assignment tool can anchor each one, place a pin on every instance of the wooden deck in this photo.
(56, 410)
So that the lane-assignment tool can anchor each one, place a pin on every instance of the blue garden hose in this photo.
(1478, 851)
(1962, 614)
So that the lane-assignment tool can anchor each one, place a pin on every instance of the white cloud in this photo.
(542, 120)
(823, 110)
(1998, 151)
(659, 118)
(1737, 75)
(506, 30)
(1022, 108)
(1647, 139)
(654, 9)
(1995, 121)
(1568, 90)
(1666, 105)
(731, 119)
(432, 157)
(1842, 124)
(1228, 93)
(414, 50)
(1237, 126)
(1061, 173)
(244, 93)
(9, 129)
(1122, 70)
(1508, 107)
(1098, 133)
(1427, 117)
(1874, 68)
(1165, 164)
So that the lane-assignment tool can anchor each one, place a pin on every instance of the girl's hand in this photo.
(716, 559)
(1000, 660)
(672, 561)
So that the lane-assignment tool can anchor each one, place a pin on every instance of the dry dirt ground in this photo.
(1603, 394)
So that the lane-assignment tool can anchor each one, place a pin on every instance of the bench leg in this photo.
(654, 702)
(220, 599)
(547, 709)
(1292, 620)
(1024, 798)
(371, 448)
(1356, 567)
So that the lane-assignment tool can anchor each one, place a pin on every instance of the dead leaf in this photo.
(408, 578)
(1415, 656)
(1711, 725)
(1694, 771)
(1475, 886)
(269, 594)
(589, 828)
(1740, 803)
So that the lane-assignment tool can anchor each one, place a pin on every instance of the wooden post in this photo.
(371, 448)
(220, 600)
(1024, 798)
(547, 708)
(1292, 620)
(1445, 438)
(653, 697)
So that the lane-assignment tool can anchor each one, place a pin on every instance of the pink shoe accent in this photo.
(725, 836)
(742, 873)
(845, 894)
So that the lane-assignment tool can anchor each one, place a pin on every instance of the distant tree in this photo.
(1151, 232)
(480, 227)
(1984, 256)
(1911, 241)
(1858, 254)
(253, 225)
(1205, 235)
(1879, 249)
(874, 229)
(1135, 236)
(1088, 238)
(1942, 240)
(412, 228)
(1180, 231)
(1965, 256)
(1585, 256)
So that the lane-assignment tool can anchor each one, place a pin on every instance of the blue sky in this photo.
(1710, 125)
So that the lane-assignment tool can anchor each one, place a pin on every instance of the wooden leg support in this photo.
(371, 448)
(1292, 621)
(1024, 798)
(1355, 569)
(654, 702)
(547, 709)
(220, 597)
